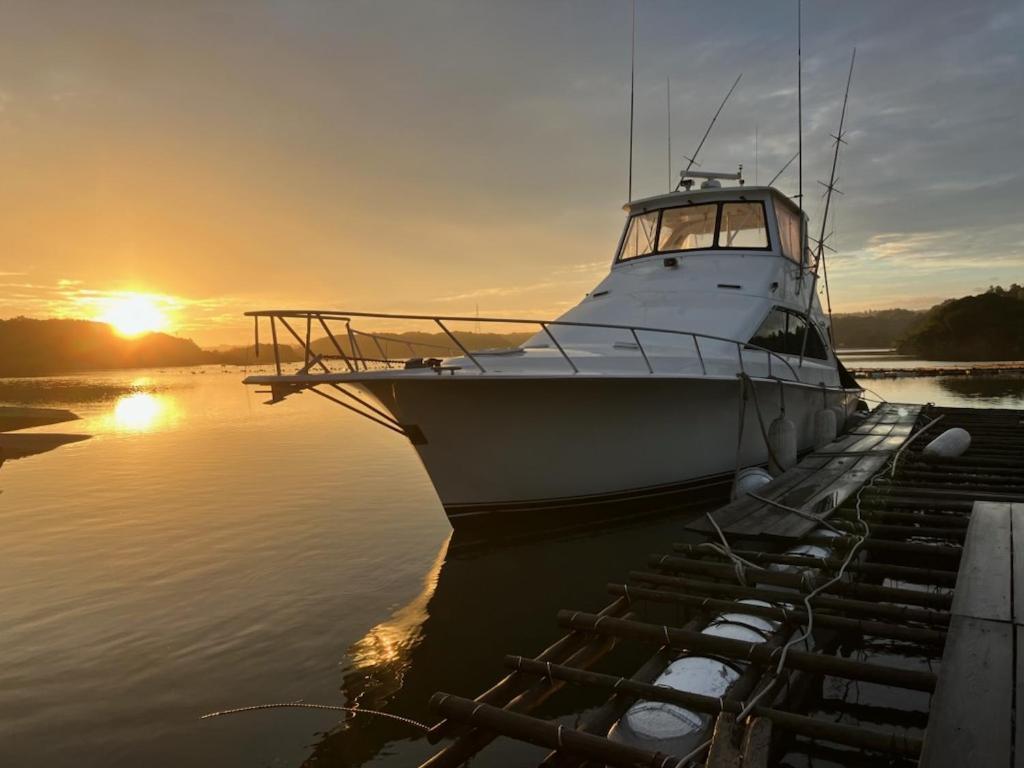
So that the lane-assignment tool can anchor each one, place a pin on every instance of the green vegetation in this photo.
(880, 329)
(989, 326)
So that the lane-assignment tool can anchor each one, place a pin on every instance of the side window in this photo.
(688, 228)
(783, 332)
(789, 232)
(815, 346)
(743, 226)
(640, 236)
(773, 334)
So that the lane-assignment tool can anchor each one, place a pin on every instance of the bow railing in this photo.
(346, 344)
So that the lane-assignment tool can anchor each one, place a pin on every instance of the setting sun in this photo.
(133, 314)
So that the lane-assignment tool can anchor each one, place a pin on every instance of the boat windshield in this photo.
(724, 225)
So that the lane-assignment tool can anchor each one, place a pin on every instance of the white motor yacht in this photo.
(651, 392)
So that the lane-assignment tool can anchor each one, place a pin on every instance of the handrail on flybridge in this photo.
(355, 360)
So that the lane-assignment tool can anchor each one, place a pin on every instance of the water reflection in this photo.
(988, 389)
(378, 660)
(476, 606)
(143, 412)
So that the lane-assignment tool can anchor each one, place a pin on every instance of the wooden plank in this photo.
(969, 723)
(984, 582)
(724, 751)
(1017, 549)
(744, 506)
(828, 500)
(1018, 725)
(832, 485)
(820, 482)
(757, 743)
(803, 495)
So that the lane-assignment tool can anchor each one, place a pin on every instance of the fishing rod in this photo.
(782, 170)
(693, 159)
(830, 188)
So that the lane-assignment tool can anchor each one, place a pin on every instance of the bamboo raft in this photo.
(985, 369)
(940, 574)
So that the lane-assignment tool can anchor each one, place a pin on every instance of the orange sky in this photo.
(442, 156)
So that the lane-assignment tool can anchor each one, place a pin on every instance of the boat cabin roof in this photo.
(714, 194)
(715, 219)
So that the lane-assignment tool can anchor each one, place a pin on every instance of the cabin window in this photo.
(789, 232)
(704, 226)
(689, 228)
(743, 226)
(640, 236)
(783, 332)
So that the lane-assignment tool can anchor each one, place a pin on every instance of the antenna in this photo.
(755, 154)
(632, 84)
(668, 133)
(782, 170)
(800, 141)
(693, 159)
(830, 188)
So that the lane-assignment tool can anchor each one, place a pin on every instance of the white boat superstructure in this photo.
(661, 382)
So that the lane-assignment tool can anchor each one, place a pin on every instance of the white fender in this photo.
(782, 439)
(749, 480)
(841, 417)
(950, 444)
(824, 428)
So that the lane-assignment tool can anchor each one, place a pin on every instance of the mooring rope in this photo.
(739, 563)
(776, 676)
(746, 381)
(303, 705)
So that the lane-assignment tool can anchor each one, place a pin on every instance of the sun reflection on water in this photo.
(142, 412)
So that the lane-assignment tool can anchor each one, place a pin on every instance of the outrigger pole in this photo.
(632, 88)
(829, 189)
(693, 160)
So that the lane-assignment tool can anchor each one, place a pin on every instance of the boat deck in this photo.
(928, 611)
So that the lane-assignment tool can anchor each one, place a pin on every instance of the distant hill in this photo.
(989, 326)
(46, 347)
(879, 329)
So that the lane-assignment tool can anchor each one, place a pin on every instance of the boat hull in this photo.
(507, 451)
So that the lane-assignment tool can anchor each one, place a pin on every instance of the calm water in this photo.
(203, 551)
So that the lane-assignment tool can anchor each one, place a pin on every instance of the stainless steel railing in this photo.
(355, 360)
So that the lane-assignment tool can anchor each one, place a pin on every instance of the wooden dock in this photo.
(976, 713)
(820, 482)
(934, 567)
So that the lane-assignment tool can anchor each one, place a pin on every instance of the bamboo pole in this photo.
(844, 605)
(885, 531)
(860, 626)
(911, 548)
(802, 581)
(942, 520)
(471, 742)
(903, 572)
(511, 685)
(802, 725)
(547, 734)
(750, 652)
